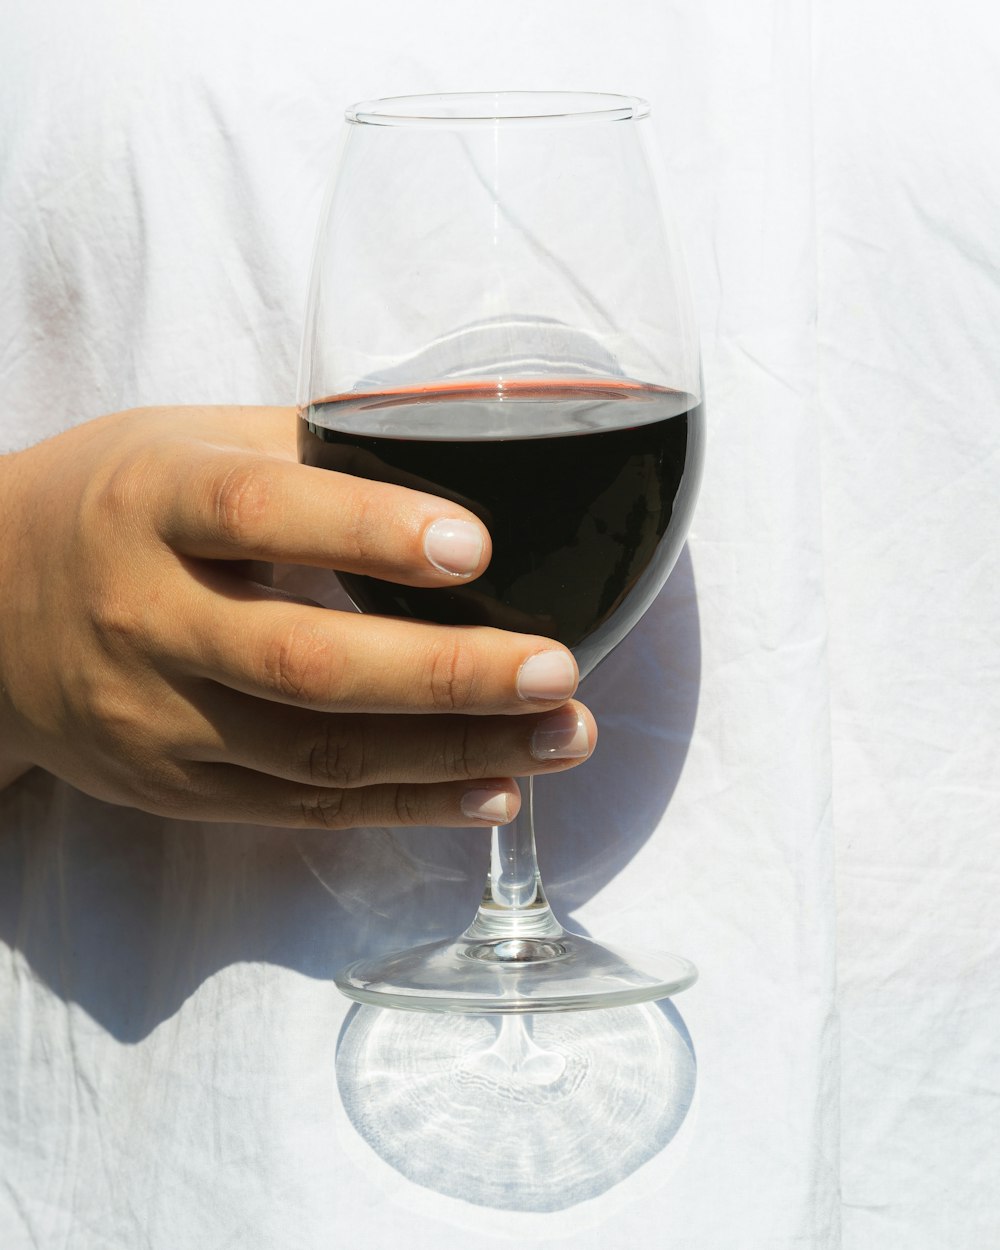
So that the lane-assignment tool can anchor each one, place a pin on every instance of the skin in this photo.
(145, 659)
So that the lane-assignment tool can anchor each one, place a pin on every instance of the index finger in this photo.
(229, 505)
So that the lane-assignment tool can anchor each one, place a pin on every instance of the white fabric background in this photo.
(815, 692)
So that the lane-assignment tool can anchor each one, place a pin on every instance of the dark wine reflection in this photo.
(519, 1113)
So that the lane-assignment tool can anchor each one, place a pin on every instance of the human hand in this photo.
(145, 659)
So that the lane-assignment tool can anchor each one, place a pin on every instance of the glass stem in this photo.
(514, 902)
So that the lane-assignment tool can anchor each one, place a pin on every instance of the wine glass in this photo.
(498, 314)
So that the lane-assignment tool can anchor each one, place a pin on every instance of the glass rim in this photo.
(492, 108)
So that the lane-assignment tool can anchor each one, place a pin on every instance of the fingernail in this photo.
(491, 805)
(454, 546)
(547, 675)
(561, 736)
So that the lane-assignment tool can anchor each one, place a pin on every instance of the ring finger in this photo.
(353, 750)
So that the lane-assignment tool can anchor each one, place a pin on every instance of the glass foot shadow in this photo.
(527, 1113)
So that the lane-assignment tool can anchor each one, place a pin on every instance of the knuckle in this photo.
(112, 722)
(122, 493)
(118, 619)
(164, 787)
(453, 676)
(467, 755)
(123, 723)
(240, 501)
(361, 530)
(297, 663)
(336, 757)
(149, 773)
(323, 809)
(407, 808)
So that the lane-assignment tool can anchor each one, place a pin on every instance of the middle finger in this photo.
(341, 662)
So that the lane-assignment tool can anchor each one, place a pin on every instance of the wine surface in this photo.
(587, 489)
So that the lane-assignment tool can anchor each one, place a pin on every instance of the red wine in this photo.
(586, 487)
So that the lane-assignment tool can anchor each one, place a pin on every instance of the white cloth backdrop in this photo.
(815, 692)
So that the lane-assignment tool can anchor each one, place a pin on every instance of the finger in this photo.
(341, 662)
(223, 792)
(352, 751)
(241, 506)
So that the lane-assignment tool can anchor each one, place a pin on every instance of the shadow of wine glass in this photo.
(592, 820)
(606, 1092)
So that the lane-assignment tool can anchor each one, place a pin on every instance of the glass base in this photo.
(476, 975)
